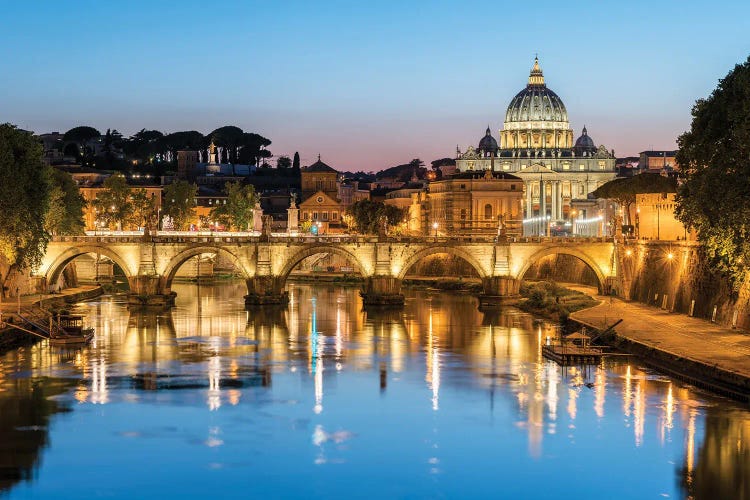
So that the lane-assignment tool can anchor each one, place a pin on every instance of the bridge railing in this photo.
(254, 236)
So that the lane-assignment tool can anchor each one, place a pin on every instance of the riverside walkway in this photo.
(702, 351)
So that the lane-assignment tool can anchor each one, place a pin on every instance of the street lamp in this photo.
(435, 227)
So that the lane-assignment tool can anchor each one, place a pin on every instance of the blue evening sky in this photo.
(365, 84)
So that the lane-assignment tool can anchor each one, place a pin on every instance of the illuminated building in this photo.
(536, 144)
(320, 204)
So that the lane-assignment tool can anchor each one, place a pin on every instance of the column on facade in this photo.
(554, 200)
(542, 199)
(529, 193)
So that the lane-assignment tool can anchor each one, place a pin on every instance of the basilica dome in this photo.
(488, 143)
(585, 144)
(536, 102)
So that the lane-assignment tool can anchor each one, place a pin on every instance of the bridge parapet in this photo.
(151, 261)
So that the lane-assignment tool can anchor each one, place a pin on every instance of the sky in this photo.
(366, 85)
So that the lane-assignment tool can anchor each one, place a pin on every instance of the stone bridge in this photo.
(150, 262)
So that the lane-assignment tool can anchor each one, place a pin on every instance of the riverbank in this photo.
(11, 338)
(554, 301)
(694, 350)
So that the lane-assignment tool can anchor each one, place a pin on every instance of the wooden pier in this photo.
(572, 355)
(573, 349)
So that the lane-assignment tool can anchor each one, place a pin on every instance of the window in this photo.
(506, 166)
(581, 167)
(512, 187)
(566, 166)
(601, 165)
(581, 190)
(334, 215)
(488, 211)
(463, 186)
(325, 215)
(523, 167)
(305, 215)
(315, 215)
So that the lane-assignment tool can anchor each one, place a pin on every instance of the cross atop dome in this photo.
(536, 77)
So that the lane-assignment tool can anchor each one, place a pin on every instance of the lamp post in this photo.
(435, 227)
(672, 285)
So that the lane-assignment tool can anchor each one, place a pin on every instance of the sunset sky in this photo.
(366, 84)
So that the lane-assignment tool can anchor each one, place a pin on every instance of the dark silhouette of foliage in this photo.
(81, 134)
(714, 156)
(295, 161)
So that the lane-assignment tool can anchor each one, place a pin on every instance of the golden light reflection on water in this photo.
(324, 334)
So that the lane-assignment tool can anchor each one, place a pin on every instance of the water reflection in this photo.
(470, 384)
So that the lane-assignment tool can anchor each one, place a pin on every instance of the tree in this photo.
(253, 148)
(368, 216)
(623, 189)
(81, 135)
(144, 208)
(179, 202)
(295, 161)
(238, 210)
(24, 200)
(184, 140)
(283, 162)
(113, 204)
(65, 214)
(714, 156)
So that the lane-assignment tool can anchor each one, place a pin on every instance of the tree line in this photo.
(150, 148)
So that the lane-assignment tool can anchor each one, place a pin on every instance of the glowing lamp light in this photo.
(670, 256)
(628, 252)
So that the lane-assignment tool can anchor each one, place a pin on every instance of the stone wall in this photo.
(563, 268)
(675, 276)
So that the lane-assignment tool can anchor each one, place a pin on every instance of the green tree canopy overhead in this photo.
(179, 202)
(623, 189)
(714, 156)
(25, 187)
(238, 210)
(369, 216)
(65, 214)
(81, 134)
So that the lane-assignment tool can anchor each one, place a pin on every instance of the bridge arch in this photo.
(582, 256)
(178, 260)
(306, 252)
(52, 273)
(436, 249)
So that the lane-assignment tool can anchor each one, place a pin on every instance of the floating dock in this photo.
(563, 354)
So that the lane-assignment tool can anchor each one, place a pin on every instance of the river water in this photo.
(323, 399)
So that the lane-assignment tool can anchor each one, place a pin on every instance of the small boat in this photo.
(68, 330)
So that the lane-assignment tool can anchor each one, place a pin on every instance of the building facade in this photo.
(655, 218)
(320, 208)
(536, 145)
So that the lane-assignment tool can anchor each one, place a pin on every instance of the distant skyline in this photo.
(369, 85)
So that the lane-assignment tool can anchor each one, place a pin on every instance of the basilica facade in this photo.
(536, 145)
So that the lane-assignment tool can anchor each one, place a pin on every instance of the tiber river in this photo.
(322, 399)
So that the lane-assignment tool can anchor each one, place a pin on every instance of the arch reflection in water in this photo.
(437, 379)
